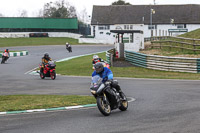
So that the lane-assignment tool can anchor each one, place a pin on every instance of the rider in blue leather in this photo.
(106, 74)
(103, 72)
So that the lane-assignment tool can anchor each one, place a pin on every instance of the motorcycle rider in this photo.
(96, 59)
(45, 60)
(68, 47)
(107, 76)
(5, 55)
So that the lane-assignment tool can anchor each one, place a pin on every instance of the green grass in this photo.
(177, 51)
(8, 42)
(26, 102)
(82, 66)
(193, 34)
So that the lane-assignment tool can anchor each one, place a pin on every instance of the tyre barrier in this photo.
(165, 63)
(14, 54)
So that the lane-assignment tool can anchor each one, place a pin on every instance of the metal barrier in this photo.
(110, 56)
(179, 64)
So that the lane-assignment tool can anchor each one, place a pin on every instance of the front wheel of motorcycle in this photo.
(42, 75)
(123, 102)
(3, 60)
(103, 106)
(53, 75)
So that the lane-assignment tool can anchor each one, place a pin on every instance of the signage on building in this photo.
(177, 30)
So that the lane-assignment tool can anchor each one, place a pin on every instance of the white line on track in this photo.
(30, 70)
(131, 99)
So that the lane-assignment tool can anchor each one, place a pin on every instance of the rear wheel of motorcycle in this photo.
(103, 106)
(123, 103)
(42, 75)
(53, 75)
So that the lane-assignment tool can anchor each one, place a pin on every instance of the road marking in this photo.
(30, 70)
(36, 110)
(131, 99)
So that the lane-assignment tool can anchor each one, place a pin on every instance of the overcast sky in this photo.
(11, 8)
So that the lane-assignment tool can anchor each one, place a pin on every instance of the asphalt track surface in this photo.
(161, 106)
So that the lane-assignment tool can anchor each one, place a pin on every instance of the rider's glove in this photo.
(108, 82)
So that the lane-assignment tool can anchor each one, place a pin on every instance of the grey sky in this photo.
(11, 8)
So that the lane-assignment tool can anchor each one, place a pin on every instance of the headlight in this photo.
(93, 92)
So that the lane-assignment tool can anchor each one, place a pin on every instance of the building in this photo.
(153, 20)
(23, 26)
(28, 24)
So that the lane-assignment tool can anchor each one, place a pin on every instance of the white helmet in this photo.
(95, 57)
(67, 43)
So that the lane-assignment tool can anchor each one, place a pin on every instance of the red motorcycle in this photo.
(48, 70)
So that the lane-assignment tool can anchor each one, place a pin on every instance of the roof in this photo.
(41, 23)
(140, 14)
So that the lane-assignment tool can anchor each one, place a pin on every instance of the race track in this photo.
(161, 106)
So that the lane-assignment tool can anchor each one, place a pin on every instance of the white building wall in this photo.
(103, 35)
(192, 27)
(137, 44)
(107, 36)
(162, 30)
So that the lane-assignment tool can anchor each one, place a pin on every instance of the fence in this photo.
(176, 42)
(179, 64)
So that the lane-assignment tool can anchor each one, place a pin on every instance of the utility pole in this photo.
(152, 11)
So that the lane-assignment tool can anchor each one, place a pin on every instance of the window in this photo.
(180, 26)
(151, 27)
(131, 27)
(127, 27)
(108, 33)
(185, 26)
(104, 27)
(131, 38)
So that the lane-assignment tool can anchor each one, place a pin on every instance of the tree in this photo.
(120, 2)
(58, 9)
(83, 16)
(22, 13)
(1, 15)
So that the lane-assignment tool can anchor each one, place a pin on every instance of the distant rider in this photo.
(96, 59)
(68, 47)
(5, 55)
(45, 60)
(106, 74)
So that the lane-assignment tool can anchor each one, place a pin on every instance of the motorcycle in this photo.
(107, 97)
(48, 70)
(4, 59)
(69, 48)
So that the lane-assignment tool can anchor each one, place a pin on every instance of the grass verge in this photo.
(82, 66)
(25, 102)
(8, 42)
